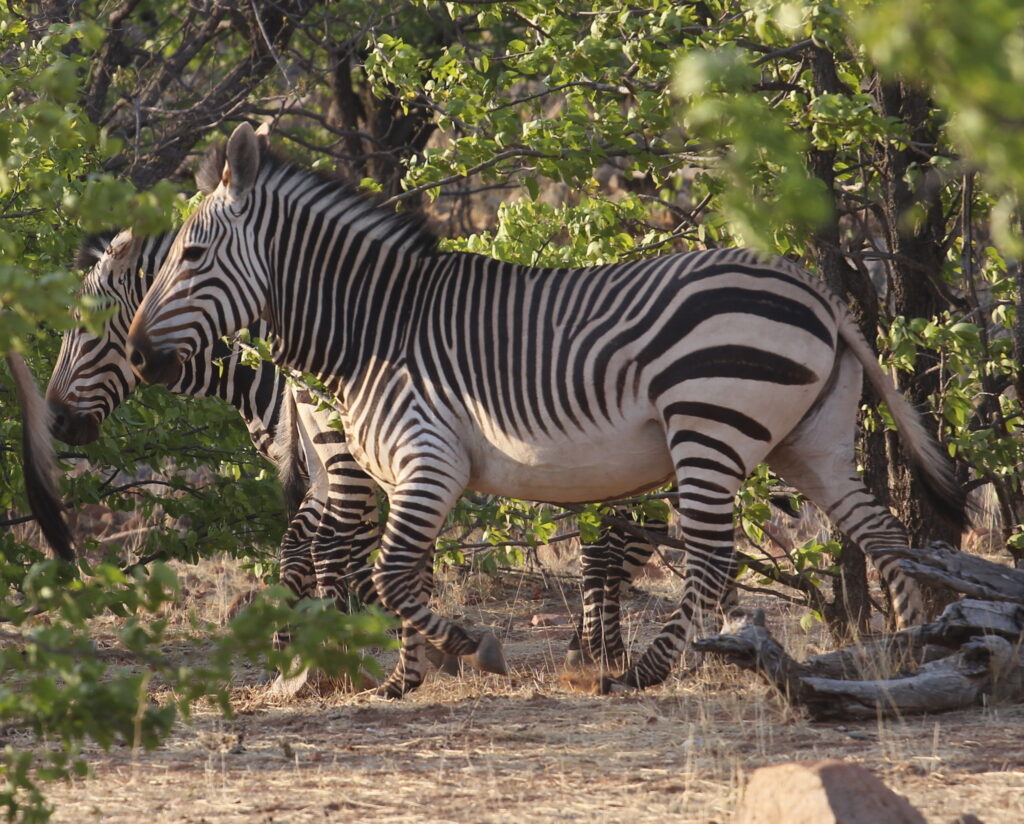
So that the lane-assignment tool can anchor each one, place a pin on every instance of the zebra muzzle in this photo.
(72, 427)
(153, 365)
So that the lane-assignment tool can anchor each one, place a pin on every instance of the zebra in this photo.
(456, 370)
(92, 376)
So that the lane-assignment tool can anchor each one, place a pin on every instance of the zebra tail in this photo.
(289, 456)
(933, 466)
(40, 465)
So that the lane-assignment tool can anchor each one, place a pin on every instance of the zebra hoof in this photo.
(613, 686)
(443, 661)
(388, 691)
(489, 656)
(574, 659)
(451, 665)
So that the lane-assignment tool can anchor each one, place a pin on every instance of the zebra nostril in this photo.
(136, 357)
(59, 415)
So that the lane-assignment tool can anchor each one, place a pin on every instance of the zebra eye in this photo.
(192, 253)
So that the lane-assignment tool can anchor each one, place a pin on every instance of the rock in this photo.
(821, 792)
(549, 619)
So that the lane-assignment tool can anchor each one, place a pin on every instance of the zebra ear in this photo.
(263, 133)
(243, 160)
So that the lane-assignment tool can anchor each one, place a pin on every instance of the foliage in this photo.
(971, 59)
(59, 686)
(876, 142)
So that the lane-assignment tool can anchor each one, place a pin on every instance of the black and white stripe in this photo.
(572, 385)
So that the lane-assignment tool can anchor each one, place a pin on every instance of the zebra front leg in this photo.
(348, 533)
(415, 652)
(359, 569)
(297, 570)
(355, 552)
(418, 509)
(587, 642)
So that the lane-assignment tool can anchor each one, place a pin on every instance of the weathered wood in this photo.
(746, 642)
(975, 577)
(826, 699)
(971, 652)
(964, 619)
(977, 656)
(986, 666)
(882, 657)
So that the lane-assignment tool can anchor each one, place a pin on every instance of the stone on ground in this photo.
(821, 792)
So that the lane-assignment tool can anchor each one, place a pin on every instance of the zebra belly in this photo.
(576, 469)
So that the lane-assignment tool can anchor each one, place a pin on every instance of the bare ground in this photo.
(530, 748)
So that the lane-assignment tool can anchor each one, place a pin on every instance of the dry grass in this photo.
(527, 748)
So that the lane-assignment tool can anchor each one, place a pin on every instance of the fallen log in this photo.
(979, 670)
(971, 575)
(969, 654)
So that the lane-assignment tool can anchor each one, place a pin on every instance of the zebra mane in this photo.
(406, 224)
(92, 247)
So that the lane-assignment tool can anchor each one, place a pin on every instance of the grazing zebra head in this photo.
(92, 375)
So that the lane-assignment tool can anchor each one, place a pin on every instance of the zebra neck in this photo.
(336, 281)
(256, 394)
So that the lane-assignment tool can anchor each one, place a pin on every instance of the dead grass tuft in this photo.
(584, 680)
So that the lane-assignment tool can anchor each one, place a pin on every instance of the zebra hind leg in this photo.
(848, 504)
(818, 458)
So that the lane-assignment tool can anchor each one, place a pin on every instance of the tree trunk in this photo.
(851, 606)
(915, 233)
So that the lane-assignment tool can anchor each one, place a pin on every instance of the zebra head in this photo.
(215, 279)
(92, 375)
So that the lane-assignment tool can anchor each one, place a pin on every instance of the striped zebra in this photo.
(92, 377)
(287, 426)
(566, 385)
